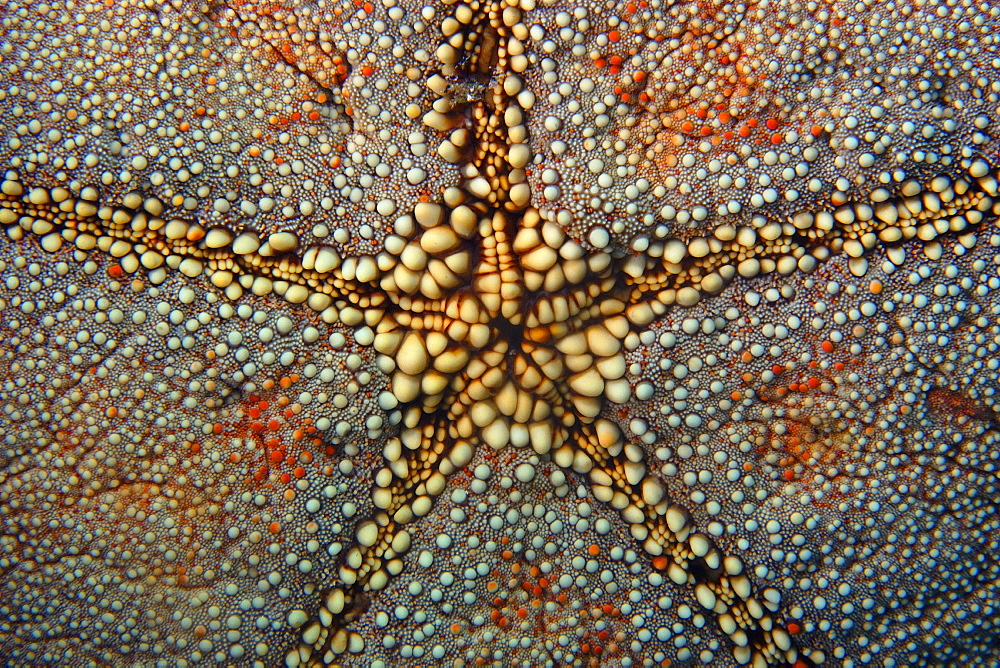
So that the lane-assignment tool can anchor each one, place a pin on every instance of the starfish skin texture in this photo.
(516, 333)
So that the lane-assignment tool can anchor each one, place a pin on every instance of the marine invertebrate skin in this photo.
(514, 333)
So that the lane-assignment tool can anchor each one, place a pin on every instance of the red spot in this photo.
(794, 629)
(614, 36)
(828, 346)
(116, 271)
(814, 383)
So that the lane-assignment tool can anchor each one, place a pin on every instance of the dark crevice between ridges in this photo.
(702, 572)
(214, 13)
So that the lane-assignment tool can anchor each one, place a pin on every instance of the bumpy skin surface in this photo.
(519, 333)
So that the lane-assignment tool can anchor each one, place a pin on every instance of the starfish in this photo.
(499, 333)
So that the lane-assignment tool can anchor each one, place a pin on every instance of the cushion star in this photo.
(357, 333)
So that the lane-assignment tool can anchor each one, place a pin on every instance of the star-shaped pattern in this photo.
(327, 321)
